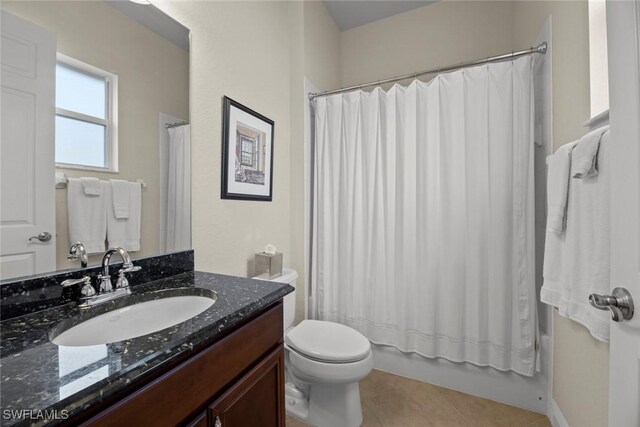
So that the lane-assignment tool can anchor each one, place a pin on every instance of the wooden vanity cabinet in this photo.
(237, 381)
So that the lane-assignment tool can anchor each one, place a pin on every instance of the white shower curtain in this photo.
(178, 229)
(423, 230)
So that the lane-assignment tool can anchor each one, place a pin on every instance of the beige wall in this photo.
(241, 50)
(289, 40)
(153, 77)
(443, 33)
(322, 64)
(581, 363)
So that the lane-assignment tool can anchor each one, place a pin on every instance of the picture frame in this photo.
(247, 153)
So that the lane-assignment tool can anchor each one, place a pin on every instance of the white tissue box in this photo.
(268, 266)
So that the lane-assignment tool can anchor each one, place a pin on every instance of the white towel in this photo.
(577, 262)
(121, 195)
(87, 216)
(584, 159)
(125, 233)
(558, 187)
(91, 186)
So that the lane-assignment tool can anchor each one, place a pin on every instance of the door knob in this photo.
(619, 304)
(45, 236)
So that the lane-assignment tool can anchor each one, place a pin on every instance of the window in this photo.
(598, 65)
(86, 116)
(247, 158)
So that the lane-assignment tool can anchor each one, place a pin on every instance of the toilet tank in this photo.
(289, 277)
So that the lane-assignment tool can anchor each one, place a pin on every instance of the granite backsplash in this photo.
(25, 295)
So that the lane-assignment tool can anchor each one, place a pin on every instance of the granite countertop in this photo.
(38, 375)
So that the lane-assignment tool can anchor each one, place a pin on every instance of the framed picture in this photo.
(247, 153)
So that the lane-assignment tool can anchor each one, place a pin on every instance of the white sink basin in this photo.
(134, 320)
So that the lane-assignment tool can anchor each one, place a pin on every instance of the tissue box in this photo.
(268, 266)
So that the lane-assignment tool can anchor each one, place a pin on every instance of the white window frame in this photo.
(110, 122)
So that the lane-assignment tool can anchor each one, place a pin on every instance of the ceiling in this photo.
(352, 13)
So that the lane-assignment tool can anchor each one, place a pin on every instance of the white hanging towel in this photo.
(558, 187)
(577, 263)
(91, 186)
(87, 215)
(121, 198)
(125, 232)
(585, 156)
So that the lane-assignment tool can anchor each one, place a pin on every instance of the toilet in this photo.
(324, 362)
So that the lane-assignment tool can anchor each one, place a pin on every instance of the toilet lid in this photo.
(328, 341)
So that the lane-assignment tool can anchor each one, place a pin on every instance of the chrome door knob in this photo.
(619, 304)
(45, 236)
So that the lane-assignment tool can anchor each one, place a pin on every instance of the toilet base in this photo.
(325, 405)
(296, 402)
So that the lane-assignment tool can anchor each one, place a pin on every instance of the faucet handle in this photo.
(105, 283)
(129, 269)
(70, 282)
(122, 281)
(87, 290)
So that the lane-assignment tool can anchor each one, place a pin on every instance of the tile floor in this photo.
(392, 401)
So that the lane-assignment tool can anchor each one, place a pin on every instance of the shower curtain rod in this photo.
(541, 49)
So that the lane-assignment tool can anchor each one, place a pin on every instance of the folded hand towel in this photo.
(91, 186)
(121, 195)
(558, 187)
(125, 232)
(87, 216)
(584, 162)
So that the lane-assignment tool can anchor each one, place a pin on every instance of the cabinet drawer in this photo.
(171, 398)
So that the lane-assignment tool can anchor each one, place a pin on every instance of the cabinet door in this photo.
(199, 421)
(256, 400)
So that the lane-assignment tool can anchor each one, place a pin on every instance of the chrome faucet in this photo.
(77, 250)
(127, 267)
(88, 295)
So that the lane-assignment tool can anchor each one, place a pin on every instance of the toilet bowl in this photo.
(324, 362)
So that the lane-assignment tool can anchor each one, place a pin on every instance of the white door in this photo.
(27, 148)
(623, 18)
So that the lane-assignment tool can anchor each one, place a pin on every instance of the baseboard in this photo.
(555, 415)
(505, 387)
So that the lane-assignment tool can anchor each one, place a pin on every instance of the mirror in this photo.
(92, 92)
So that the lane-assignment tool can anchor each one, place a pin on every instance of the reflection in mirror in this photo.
(95, 133)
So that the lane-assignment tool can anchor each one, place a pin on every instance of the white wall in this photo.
(153, 77)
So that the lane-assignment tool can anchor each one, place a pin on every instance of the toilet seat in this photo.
(328, 342)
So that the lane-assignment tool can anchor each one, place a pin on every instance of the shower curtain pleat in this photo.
(423, 215)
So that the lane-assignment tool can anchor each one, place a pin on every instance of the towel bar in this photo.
(62, 180)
